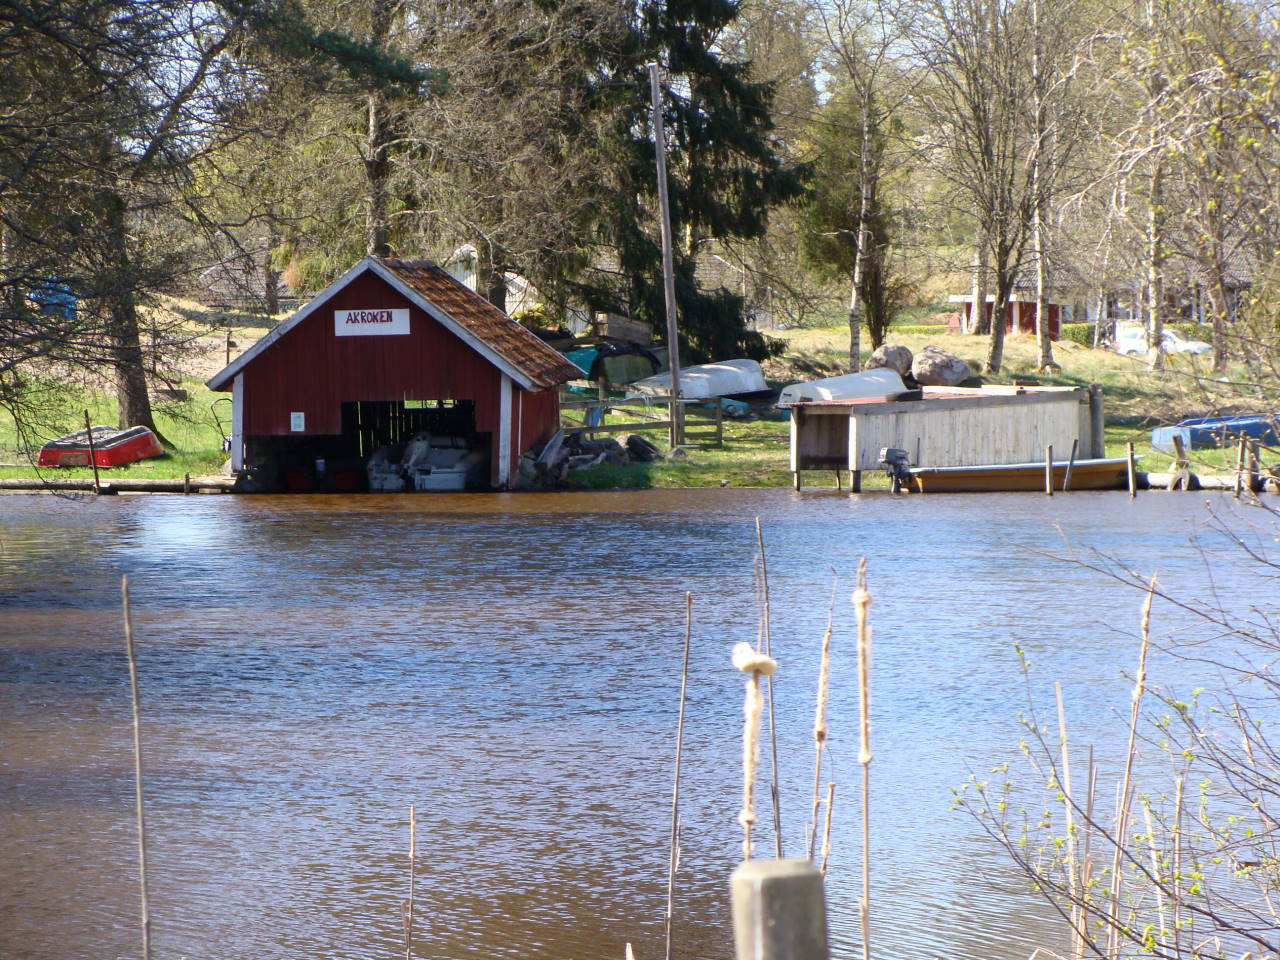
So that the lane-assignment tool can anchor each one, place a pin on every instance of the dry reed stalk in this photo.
(1154, 855)
(413, 864)
(826, 829)
(820, 718)
(774, 793)
(1126, 783)
(139, 818)
(1079, 911)
(674, 856)
(861, 601)
(1177, 865)
(1069, 811)
(755, 664)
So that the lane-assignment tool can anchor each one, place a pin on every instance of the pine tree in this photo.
(726, 172)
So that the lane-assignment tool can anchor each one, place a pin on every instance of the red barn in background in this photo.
(393, 349)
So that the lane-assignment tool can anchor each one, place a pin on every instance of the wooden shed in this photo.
(947, 427)
(1020, 317)
(392, 350)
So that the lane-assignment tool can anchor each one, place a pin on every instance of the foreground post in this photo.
(778, 911)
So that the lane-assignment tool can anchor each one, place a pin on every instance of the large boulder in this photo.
(934, 367)
(891, 355)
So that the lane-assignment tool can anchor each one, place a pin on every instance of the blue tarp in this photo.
(1205, 432)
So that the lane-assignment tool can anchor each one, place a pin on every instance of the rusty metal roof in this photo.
(544, 366)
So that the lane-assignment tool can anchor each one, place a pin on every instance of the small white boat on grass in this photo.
(725, 378)
(880, 382)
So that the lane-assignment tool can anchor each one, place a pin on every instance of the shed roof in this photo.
(507, 345)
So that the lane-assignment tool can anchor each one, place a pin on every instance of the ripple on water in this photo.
(310, 666)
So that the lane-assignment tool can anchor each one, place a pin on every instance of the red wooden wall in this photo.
(1027, 323)
(312, 371)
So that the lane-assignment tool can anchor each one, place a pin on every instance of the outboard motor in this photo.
(896, 464)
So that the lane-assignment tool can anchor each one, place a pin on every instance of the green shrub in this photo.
(919, 329)
(1081, 333)
(1193, 331)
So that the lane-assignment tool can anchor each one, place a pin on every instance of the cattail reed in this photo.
(755, 664)
(826, 829)
(674, 856)
(137, 770)
(1126, 783)
(861, 601)
(820, 719)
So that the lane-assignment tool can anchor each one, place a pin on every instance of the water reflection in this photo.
(312, 665)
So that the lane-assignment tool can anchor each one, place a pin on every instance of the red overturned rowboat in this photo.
(111, 447)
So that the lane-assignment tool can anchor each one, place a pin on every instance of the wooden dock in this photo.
(187, 485)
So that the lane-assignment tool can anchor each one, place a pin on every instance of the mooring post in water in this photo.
(1048, 470)
(93, 454)
(778, 911)
(1097, 422)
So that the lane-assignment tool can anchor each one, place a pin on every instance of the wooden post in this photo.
(1097, 422)
(778, 911)
(668, 260)
(1181, 478)
(795, 479)
(1048, 470)
(839, 481)
(1071, 462)
(855, 481)
(93, 454)
(1240, 467)
(1133, 471)
(719, 421)
(186, 483)
(1255, 468)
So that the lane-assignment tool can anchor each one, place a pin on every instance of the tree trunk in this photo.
(270, 278)
(1218, 307)
(1039, 195)
(860, 255)
(1101, 325)
(377, 163)
(121, 315)
(999, 320)
(1155, 269)
(979, 322)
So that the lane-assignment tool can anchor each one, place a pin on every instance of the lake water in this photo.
(311, 666)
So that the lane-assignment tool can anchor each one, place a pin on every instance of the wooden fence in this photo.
(652, 413)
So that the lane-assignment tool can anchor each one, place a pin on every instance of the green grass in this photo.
(755, 453)
(189, 426)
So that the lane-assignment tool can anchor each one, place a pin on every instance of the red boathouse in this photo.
(392, 350)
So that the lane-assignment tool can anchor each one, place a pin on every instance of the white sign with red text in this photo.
(370, 323)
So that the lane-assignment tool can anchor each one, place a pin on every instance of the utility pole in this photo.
(668, 264)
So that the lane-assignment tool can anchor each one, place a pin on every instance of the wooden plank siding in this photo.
(312, 372)
(948, 431)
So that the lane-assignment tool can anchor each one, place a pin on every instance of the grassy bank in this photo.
(755, 453)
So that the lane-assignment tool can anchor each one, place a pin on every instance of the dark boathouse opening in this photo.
(385, 445)
(451, 390)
